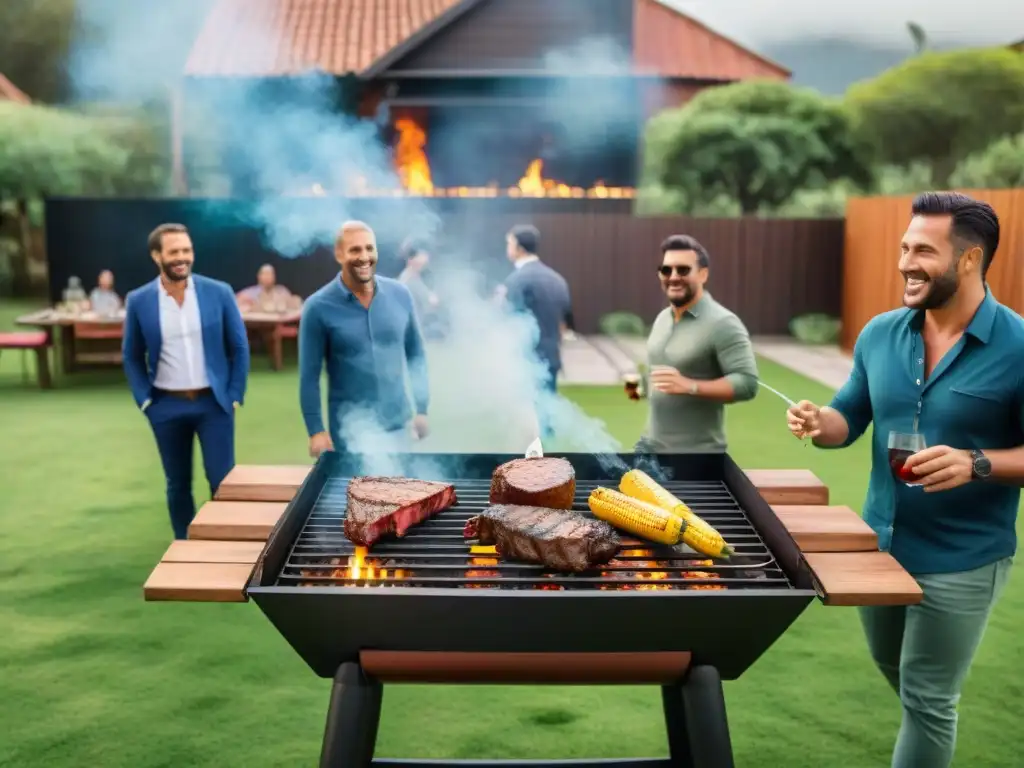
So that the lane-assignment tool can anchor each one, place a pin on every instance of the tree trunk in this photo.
(21, 275)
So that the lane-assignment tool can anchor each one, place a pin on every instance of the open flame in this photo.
(361, 568)
(413, 169)
(411, 158)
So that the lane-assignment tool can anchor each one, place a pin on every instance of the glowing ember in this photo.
(482, 561)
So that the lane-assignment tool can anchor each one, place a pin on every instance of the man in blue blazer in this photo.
(186, 356)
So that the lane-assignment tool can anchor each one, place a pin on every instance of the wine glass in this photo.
(902, 445)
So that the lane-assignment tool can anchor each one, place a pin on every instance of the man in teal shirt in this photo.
(364, 330)
(949, 366)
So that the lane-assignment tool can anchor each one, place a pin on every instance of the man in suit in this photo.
(536, 288)
(186, 357)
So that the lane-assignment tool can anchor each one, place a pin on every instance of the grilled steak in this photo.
(560, 539)
(381, 505)
(540, 482)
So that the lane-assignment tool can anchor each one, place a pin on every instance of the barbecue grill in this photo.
(431, 607)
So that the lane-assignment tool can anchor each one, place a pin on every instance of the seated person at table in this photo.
(267, 295)
(104, 299)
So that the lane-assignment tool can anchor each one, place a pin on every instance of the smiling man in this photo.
(186, 357)
(700, 358)
(950, 367)
(363, 327)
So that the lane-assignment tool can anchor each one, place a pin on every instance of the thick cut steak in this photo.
(539, 482)
(381, 505)
(559, 539)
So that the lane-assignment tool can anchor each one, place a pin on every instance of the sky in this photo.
(980, 22)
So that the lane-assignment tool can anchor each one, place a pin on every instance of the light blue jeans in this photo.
(925, 652)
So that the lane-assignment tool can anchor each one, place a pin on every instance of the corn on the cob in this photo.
(637, 517)
(700, 536)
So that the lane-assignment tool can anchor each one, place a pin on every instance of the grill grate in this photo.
(434, 553)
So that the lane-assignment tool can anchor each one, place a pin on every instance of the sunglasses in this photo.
(682, 271)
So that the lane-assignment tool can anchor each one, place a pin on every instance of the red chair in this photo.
(35, 341)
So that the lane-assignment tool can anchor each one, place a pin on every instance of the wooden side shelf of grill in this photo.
(824, 528)
(250, 482)
(789, 486)
(236, 520)
(862, 578)
(204, 572)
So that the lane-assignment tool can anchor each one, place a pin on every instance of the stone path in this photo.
(604, 360)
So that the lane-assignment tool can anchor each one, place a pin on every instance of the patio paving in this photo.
(825, 364)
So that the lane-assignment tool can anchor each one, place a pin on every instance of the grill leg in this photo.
(675, 726)
(707, 724)
(352, 719)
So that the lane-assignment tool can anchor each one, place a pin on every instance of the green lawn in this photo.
(92, 675)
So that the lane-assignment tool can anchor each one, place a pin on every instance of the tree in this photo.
(998, 166)
(46, 151)
(757, 142)
(918, 36)
(35, 42)
(940, 107)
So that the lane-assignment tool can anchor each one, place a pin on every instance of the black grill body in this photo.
(328, 620)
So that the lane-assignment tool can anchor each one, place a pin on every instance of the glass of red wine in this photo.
(902, 445)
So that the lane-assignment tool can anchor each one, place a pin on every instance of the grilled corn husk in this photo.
(699, 535)
(639, 518)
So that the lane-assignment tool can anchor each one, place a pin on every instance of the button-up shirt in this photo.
(367, 352)
(182, 363)
(972, 400)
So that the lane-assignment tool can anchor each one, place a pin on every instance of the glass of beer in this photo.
(631, 383)
(902, 445)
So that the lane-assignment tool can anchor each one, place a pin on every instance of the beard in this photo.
(684, 299)
(167, 269)
(940, 291)
(368, 272)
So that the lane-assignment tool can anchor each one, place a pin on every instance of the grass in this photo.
(92, 675)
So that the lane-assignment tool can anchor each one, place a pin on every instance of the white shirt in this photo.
(182, 363)
(526, 260)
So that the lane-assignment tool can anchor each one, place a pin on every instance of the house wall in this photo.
(521, 34)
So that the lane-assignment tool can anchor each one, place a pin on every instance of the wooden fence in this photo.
(872, 283)
(767, 270)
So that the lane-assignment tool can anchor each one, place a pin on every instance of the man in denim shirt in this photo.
(364, 329)
(949, 366)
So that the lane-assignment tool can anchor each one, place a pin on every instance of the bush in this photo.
(816, 329)
(999, 166)
(622, 324)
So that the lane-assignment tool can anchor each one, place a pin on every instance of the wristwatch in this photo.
(694, 388)
(982, 467)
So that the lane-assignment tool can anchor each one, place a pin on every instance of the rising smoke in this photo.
(288, 137)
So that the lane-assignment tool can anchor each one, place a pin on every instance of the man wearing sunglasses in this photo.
(700, 358)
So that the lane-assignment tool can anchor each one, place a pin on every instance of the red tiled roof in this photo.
(10, 92)
(266, 38)
(668, 43)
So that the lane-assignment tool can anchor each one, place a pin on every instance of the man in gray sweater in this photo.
(700, 358)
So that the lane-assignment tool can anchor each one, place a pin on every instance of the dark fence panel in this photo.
(767, 270)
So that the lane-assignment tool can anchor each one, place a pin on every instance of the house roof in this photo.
(268, 38)
(10, 92)
(670, 43)
(272, 38)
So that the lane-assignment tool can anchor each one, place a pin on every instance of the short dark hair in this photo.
(973, 221)
(156, 237)
(528, 237)
(686, 243)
